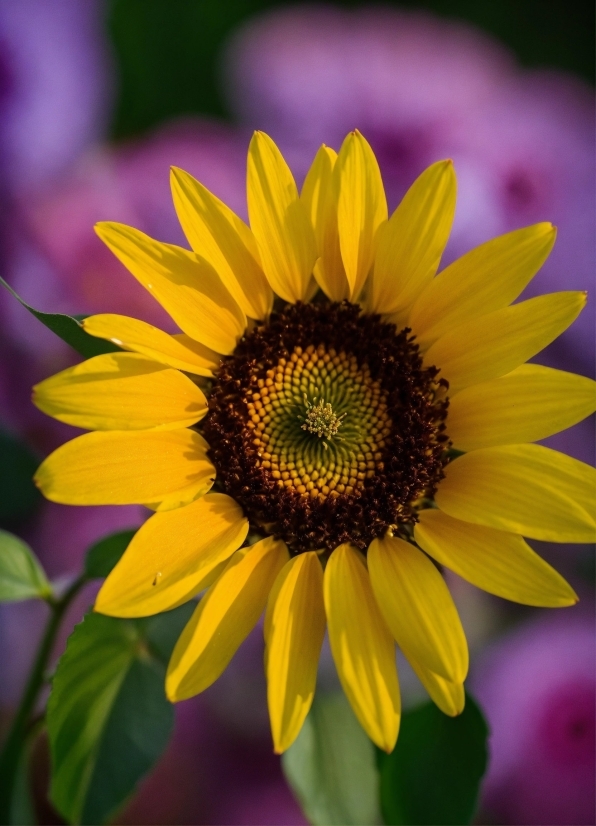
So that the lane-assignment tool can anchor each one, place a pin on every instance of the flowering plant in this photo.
(333, 425)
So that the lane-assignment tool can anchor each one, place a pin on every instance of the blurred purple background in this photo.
(420, 88)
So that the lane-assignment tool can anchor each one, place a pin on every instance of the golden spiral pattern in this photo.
(314, 466)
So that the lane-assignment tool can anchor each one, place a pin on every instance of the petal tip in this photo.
(388, 745)
(176, 174)
(455, 712)
(282, 742)
(170, 689)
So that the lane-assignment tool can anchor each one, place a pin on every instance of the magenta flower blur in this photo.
(423, 88)
(130, 183)
(538, 689)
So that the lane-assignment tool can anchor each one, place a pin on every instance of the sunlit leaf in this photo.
(331, 766)
(68, 328)
(433, 775)
(108, 718)
(102, 556)
(21, 575)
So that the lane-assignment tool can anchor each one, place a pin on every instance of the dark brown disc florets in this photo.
(325, 426)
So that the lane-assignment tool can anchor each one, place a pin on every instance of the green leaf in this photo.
(103, 556)
(331, 766)
(433, 775)
(108, 718)
(21, 575)
(18, 495)
(69, 329)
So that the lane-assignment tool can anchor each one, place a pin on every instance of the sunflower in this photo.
(334, 424)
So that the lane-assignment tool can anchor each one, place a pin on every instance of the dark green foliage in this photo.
(108, 718)
(68, 329)
(18, 495)
(433, 775)
(167, 55)
(168, 52)
(104, 555)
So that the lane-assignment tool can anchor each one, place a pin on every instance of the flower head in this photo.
(372, 417)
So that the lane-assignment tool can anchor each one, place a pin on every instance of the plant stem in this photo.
(17, 735)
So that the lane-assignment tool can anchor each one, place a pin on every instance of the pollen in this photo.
(321, 420)
(295, 415)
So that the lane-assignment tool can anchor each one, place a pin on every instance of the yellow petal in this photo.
(496, 561)
(362, 647)
(493, 345)
(172, 556)
(526, 405)
(186, 286)
(319, 196)
(412, 242)
(525, 489)
(118, 468)
(223, 239)
(485, 279)
(418, 607)
(224, 618)
(279, 221)
(294, 631)
(121, 391)
(178, 351)
(361, 208)
(449, 697)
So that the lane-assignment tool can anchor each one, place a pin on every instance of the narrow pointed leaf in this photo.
(68, 328)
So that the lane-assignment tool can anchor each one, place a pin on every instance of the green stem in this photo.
(17, 735)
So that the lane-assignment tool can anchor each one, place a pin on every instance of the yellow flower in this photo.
(379, 417)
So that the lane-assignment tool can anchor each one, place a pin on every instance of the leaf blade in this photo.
(108, 717)
(447, 755)
(21, 575)
(68, 328)
(18, 495)
(104, 554)
(331, 766)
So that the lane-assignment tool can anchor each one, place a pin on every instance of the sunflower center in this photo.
(321, 420)
(296, 414)
(325, 426)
